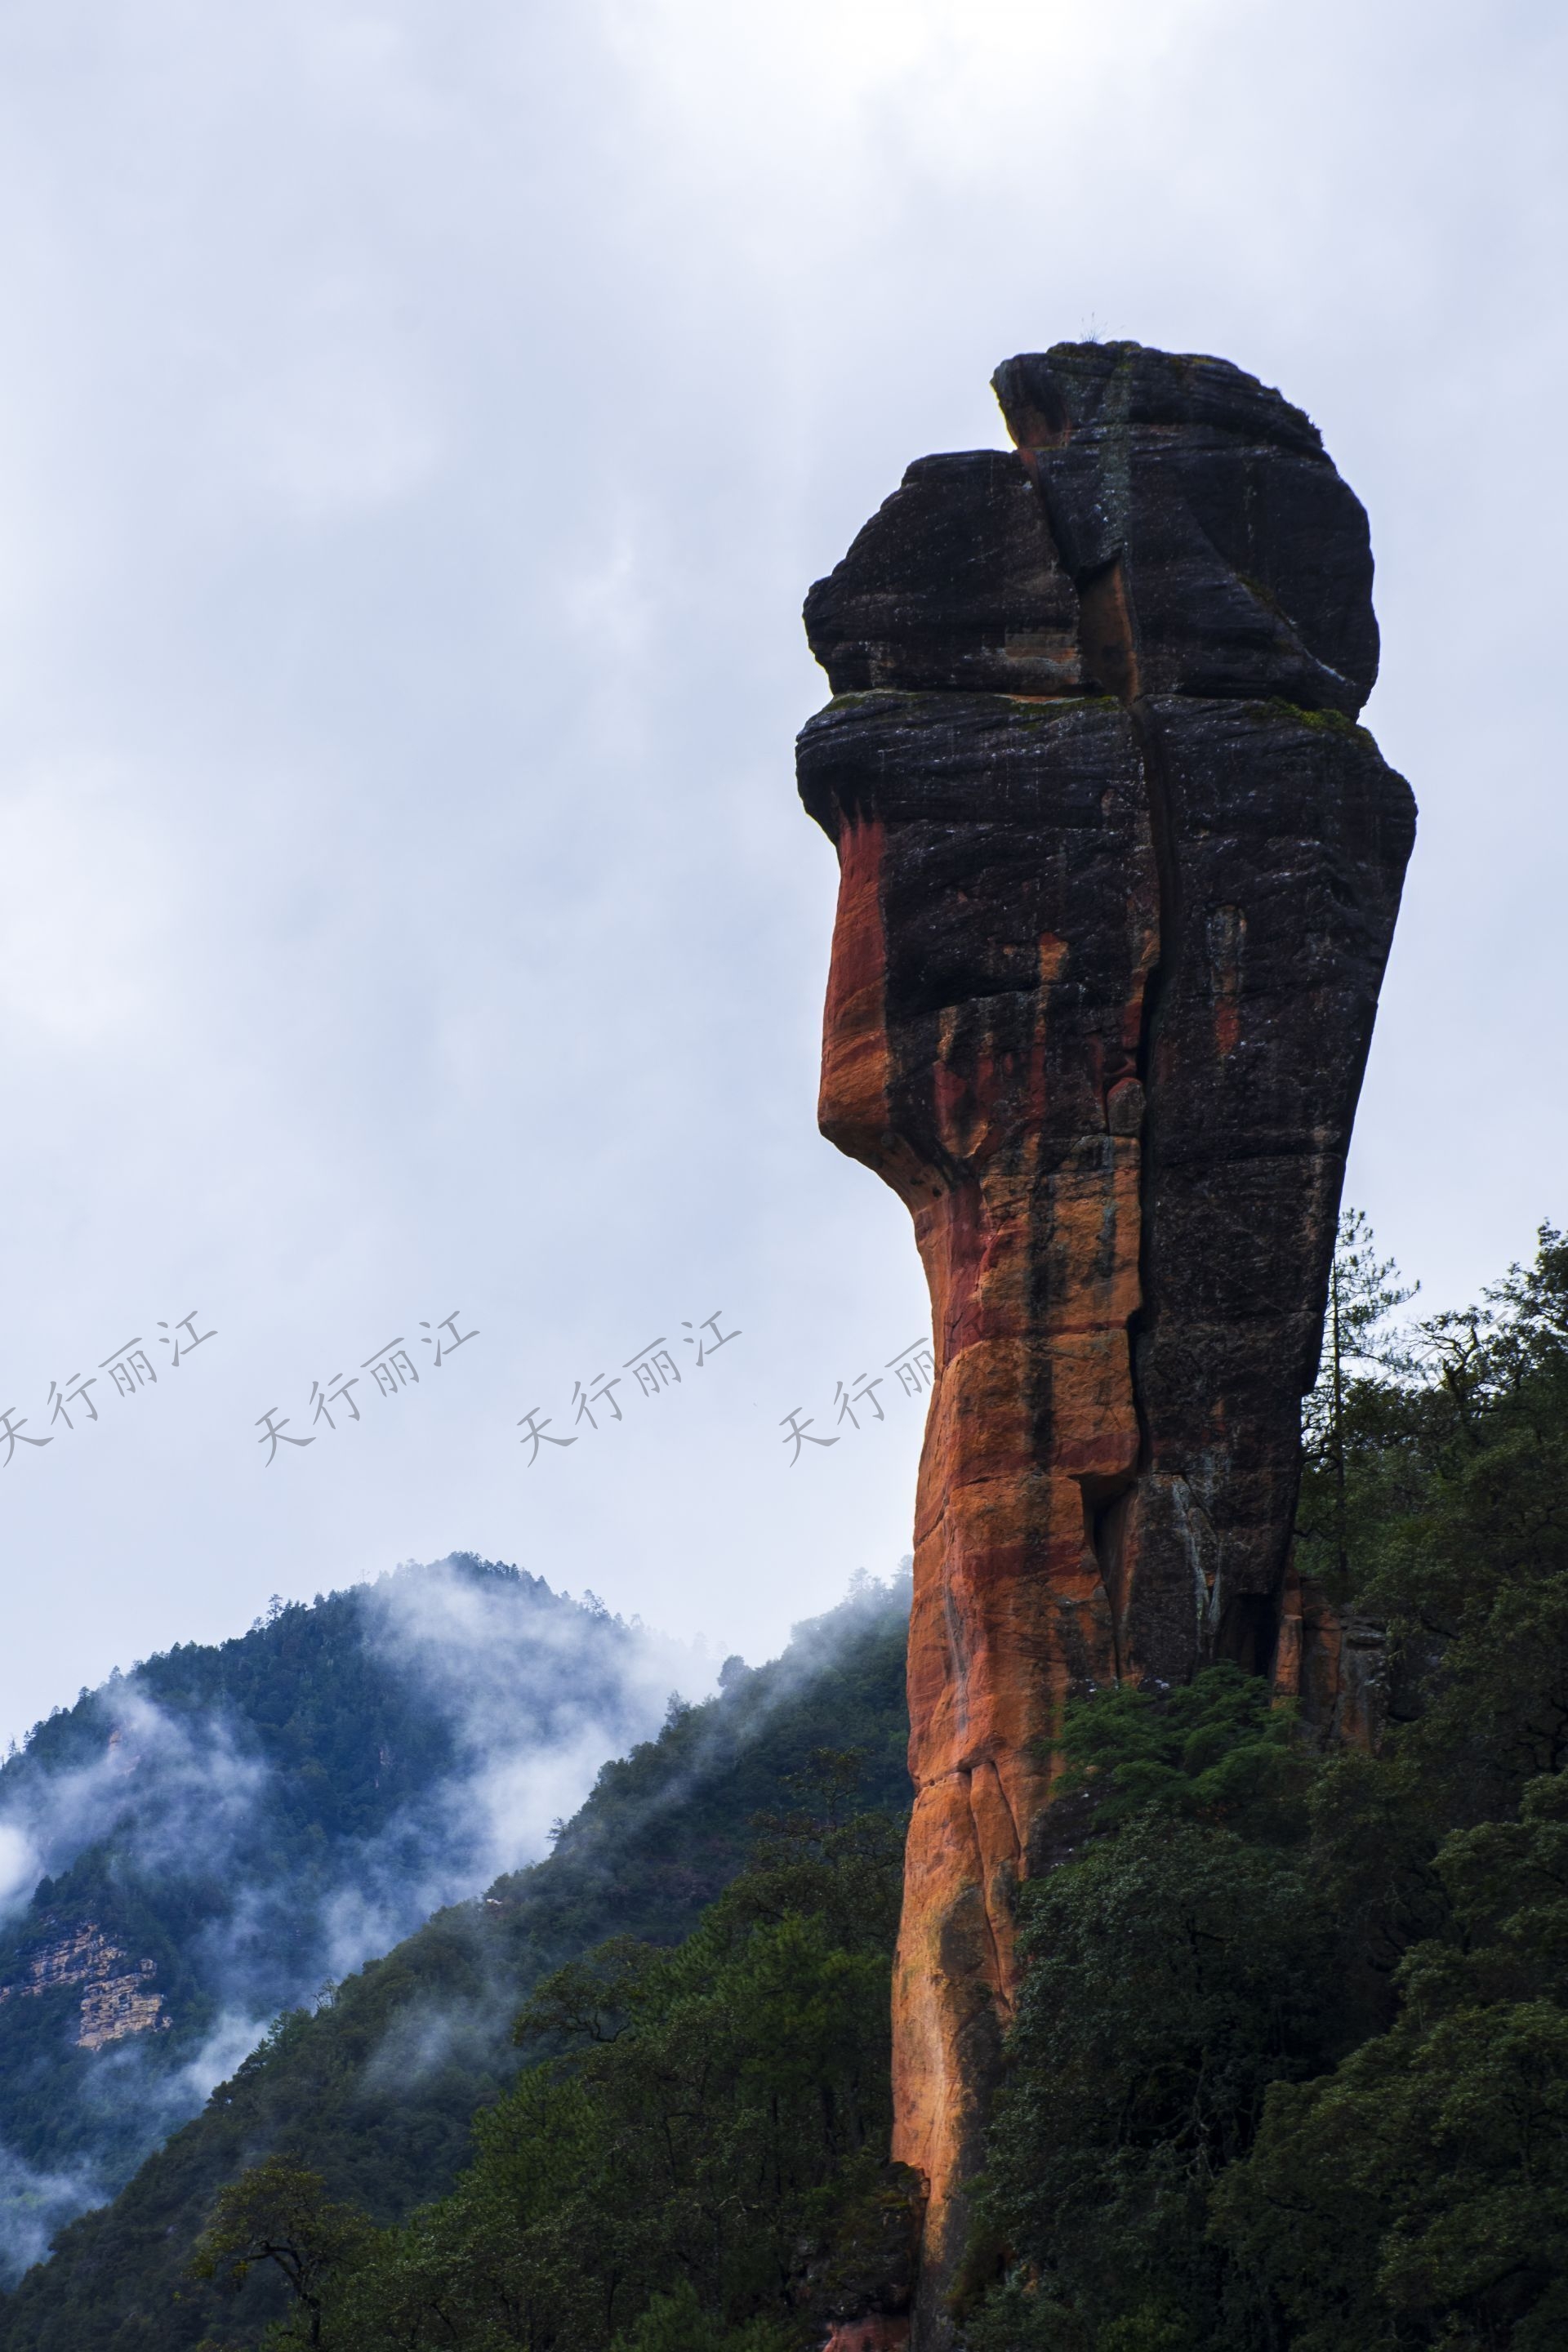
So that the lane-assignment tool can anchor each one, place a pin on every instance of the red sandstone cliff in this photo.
(1117, 879)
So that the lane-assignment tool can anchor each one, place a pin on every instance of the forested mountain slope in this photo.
(1289, 2071)
(200, 1842)
(1289, 2067)
(377, 2087)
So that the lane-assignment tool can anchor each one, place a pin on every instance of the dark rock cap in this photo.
(1169, 526)
(1077, 385)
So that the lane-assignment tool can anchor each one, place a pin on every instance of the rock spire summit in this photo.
(1119, 875)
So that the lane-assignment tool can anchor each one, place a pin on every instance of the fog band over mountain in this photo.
(223, 1832)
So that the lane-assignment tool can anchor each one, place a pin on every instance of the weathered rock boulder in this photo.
(1118, 879)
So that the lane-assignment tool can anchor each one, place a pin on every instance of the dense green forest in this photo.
(1291, 2064)
(1289, 2068)
(377, 2088)
(216, 1810)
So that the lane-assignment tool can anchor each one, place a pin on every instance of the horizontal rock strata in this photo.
(119, 1999)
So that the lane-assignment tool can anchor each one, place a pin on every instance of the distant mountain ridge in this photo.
(203, 1841)
(376, 2086)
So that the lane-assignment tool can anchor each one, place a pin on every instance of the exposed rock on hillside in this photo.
(119, 1999)
(377, 2088)
(1119, 877)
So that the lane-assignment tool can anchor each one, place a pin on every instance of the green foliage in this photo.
(1358, 1354)
(322, 1741)
(377, 2092)
(1221, 1749)
(1174, 1973)
(1290, 2062)
(279, 2213)
(1420, 2193)
(676, 2323)
(704, 2120)
(1289, 2067)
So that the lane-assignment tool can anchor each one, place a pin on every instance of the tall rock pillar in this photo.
(1119, 873)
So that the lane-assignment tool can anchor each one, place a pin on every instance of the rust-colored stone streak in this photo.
(997, 928)
(1118, 881)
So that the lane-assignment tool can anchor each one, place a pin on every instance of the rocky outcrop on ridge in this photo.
(1119, 875)
(118, 1999)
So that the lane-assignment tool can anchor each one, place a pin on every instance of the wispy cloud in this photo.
(34, 2203)
(176, 1793)
(532, 1692)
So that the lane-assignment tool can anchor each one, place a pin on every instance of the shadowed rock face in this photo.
(1118, 879)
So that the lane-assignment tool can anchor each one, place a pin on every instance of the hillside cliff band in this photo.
(118, 1999)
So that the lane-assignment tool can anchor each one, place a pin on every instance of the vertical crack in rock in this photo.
(1118, 877)
(1167, 873)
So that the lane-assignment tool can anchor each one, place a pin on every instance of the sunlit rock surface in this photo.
(1119, 875)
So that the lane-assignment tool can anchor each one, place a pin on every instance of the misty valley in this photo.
(243, 1830)
(221, 1834)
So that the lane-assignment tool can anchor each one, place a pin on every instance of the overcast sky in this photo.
(418, 426)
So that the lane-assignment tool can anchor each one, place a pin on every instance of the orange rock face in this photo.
(1103, 977)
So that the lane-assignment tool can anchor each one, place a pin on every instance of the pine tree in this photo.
(1363, 1292)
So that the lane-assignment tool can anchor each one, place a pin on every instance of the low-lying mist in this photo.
(224, 1833)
